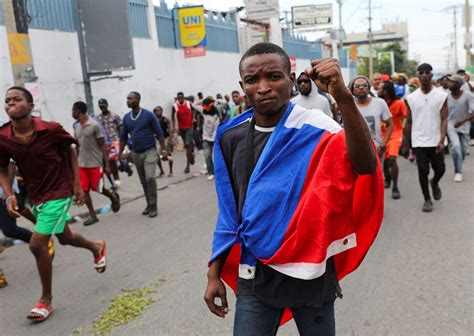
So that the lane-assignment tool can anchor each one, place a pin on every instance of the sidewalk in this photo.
(131, 189)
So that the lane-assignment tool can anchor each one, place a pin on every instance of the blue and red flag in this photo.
(304, 202)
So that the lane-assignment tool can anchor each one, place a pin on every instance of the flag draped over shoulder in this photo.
(304, 202)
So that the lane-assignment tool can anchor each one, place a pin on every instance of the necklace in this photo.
(138, 115)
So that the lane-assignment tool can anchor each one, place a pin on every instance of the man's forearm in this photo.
(5, 181)
(358, 139)
(444, 129)
(215, 268)
(161, 140)
(74, 165)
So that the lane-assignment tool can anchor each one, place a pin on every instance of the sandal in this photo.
(42, 312)
(100, 263)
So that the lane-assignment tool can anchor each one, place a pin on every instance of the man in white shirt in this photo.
(425, 130)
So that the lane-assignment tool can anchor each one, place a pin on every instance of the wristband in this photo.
(7, 200)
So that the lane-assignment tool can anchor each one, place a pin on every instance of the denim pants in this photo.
(146, 168)
(208, 147)
(458, 145)
(253, 318)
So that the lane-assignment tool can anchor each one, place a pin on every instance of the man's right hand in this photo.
(216, 289)
(12, 207)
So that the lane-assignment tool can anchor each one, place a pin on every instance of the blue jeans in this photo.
(458, 144)
(208, 147)
(254, 318)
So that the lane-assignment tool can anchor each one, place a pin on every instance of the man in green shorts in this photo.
(47, 162)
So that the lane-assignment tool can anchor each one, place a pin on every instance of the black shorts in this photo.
(187, 135)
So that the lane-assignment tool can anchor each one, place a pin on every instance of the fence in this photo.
(221, 31)
(138, 17)
(301, 48)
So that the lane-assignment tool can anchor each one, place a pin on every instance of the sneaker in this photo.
(387, 183)
(458, 177)
(396, 193)
(3, 281)
(115, 202)
(436, 190)
(153, 213)
(91, 221)
(210, 177)
(427, 206)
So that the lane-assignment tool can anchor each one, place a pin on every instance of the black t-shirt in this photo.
(270, 286)
(164, 127)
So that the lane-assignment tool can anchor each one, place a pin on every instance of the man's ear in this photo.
(241, 85)
(32, 106)
(292, 78)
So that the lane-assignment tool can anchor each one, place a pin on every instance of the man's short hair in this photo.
(27, 94)
(80, 106)
(179, 94)
(425, 67)
(103, 102)
(267, 48)
(235, 92)
(139, 96)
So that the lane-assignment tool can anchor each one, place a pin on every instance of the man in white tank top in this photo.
(425, 131)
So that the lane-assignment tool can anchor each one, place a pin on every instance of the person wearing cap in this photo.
(466, 86)
(461, 112)
(111, 123)
(425, 130)
(211, 110)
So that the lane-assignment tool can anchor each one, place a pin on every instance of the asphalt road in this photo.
(416, 280)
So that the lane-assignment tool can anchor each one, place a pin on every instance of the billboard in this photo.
(311, 16)
(107, 45)
(192, 26)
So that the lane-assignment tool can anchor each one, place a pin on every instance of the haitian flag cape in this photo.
(304, 202)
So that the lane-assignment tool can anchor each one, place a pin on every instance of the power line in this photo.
(355, 10)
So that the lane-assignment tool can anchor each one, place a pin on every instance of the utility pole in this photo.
(455, 25)
(21, 59)
(467, 33)
(371, 62)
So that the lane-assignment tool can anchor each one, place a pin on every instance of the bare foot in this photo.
(99, 247)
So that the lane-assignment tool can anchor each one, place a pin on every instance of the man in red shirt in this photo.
(398, 109)
(47, 162)
(183, 112)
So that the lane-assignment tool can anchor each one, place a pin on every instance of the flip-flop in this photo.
(42, 310)
(100, 263)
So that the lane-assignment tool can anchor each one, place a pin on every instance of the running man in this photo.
(211, 110)
(142, 128)
(165, 124)
(398, 109)
(425, 131)
(111, 123)
(92, 156)
(271, 180)
(183, 112)
(374, 110)
(461, 112)
(47, 161)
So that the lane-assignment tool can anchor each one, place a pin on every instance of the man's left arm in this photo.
(327, 76)
(444, 127)
(78, 192)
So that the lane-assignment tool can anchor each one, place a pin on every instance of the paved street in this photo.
(416, 280)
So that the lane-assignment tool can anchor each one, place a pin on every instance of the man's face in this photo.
(266, 82)
(361, 88)
(381, 91)
(16, 105)
(376, 80)
(304, 85)
(181, 98)
(75, 113)
(425, 77)
(236, 98)
(103, 107)
(158, 111)
(453, 85)
(132, 100)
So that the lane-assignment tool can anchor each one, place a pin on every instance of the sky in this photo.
(430, 25)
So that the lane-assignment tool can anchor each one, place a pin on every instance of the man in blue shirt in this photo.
(143, 128)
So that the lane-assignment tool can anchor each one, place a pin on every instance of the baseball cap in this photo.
(425, 67)
(103, 101)
(456, 78)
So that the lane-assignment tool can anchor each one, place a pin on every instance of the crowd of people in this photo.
(42, 164)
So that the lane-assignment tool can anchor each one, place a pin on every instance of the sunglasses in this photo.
(306, 81)
(358, 86)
